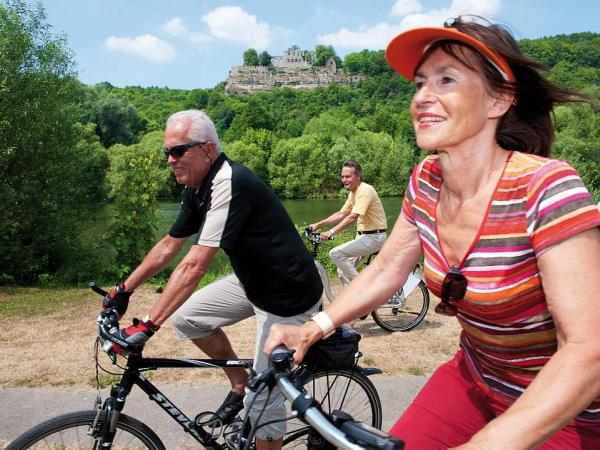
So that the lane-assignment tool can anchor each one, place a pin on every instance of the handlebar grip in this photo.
(97, 289)
(369, 437)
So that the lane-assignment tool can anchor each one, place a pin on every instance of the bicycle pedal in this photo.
(232, 433)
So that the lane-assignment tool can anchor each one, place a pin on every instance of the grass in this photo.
(27, 302)
(417, 371)
(368, 361)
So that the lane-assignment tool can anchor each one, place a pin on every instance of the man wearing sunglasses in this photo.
(228, 207)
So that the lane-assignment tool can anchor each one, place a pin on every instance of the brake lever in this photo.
(258, 379)
(107, 326)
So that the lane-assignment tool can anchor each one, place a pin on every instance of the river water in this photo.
(302, 213)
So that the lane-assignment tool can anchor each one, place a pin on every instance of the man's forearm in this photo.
(333, 219)
(179, 288)
(159, 257)
(344, 223)
(182, 282)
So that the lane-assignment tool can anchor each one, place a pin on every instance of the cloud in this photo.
(176, 27)
(146, 46)
(404, 7)
(234, 24)
(407, 14)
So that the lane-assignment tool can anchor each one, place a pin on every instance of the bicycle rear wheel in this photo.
(347, 390)
(403, 313)
(69, 431)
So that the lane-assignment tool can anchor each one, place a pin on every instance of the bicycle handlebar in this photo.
(312, 236)
(107, 326)
(340, 430)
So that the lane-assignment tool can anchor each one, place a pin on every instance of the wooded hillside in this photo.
(67, 149)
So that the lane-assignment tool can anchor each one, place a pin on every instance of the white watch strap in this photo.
(325, 323)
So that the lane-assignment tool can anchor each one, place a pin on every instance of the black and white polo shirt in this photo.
(235, 210)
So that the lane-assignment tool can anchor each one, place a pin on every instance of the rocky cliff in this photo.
(250, 79)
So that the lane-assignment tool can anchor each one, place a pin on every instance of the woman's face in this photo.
(451, 106)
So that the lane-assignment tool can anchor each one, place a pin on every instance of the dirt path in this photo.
(56, 349)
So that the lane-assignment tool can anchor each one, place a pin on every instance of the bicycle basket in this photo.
(338, 351)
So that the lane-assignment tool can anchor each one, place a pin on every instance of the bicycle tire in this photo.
(70, 431)
(348, 390)
(390, 317)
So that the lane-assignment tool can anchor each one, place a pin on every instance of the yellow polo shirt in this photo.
(366, 203)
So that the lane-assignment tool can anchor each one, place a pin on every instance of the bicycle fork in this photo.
(104, 431)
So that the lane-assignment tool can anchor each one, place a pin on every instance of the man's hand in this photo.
(136, 335)
(313, 227)
(117, 298)
(326, 236)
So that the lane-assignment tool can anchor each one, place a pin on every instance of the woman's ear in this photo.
(500, 104)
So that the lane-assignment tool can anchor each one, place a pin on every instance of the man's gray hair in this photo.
(354, 165)
(201, 127)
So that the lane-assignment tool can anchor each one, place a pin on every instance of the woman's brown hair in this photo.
(527, 126)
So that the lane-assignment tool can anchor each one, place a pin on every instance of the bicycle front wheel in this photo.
(69, 431)
(346, 390)
(403, 313)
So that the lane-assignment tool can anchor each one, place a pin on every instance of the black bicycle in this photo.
(105, 426)
(403, 311)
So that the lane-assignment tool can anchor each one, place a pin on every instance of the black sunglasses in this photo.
(177, 151)
(454, 287)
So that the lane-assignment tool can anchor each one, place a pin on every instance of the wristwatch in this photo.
(151, 325)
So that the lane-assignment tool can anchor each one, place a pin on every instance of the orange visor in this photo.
(404, 52)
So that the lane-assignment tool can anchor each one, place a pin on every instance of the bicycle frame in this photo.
(133, 376)
(413, 278)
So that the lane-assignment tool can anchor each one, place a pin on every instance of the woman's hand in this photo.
(293, 337)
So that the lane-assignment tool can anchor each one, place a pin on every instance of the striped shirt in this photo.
(507, 332)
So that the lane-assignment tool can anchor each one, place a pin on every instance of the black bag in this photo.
(338, 351)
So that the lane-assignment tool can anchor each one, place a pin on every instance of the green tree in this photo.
(137, 174)
(366, 62)
(264, 59)
(251, 57)
(308, 56)
(43, 189)
(298, 167)
(253, 150)
(323, 53)
(116, 119)
(253, 114)
(251, 155)
(331, 125)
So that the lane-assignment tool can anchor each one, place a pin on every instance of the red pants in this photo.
(450, 409)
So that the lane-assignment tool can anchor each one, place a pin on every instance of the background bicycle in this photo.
(345, 389)
(404, 311)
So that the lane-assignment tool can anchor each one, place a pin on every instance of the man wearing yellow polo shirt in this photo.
(363, 207)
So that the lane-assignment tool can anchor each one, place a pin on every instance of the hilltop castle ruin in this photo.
(289, 70)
